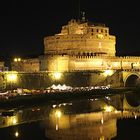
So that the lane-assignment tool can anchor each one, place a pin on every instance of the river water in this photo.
(106, 117)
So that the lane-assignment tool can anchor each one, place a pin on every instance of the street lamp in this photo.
(18, 59)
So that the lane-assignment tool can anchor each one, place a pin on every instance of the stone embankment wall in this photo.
(44, 80)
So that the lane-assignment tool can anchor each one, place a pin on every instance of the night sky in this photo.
(24, 23)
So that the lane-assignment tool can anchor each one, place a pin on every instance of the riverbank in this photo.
(27, 100)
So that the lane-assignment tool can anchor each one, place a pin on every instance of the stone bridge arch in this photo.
(130, 103)
(131, 79)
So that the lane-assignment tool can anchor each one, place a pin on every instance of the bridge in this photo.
(131, 105)
(123, 78)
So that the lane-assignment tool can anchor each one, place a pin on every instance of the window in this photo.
(84, 54)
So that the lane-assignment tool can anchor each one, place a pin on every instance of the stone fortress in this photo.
(82, 45)
(82, 50)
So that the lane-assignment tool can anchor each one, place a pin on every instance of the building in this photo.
(82, 50)
(82, 46)
(25, 65)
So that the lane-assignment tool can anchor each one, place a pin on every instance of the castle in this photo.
(84, 54)
(80, 46)
(83, 45)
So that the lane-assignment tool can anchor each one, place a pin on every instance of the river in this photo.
(105, 117)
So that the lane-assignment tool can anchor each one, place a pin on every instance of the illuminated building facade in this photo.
(83, 45)
(80, 46)
(25, 65)
(81, 38)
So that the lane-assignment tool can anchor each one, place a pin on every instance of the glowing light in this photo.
(56, 127)
(64, 104)
(11, 77)
(14, 120)
(100, 36)
(57, 75)
(102, 138)
(58, 113)
(116, 111)
(108, 72)
(108, 108)
(16, 134)
(102, 120)
(54, 106)
(17, 59)
(116, 64)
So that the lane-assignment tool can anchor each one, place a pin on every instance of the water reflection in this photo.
(16, 134)
(88, 119)
(83, 126)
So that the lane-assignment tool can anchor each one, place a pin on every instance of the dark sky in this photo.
(24, 23)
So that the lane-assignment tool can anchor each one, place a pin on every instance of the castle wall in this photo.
(57, 63)
(83, 63)
(74, 44)
(26, 65)
(76, 63)
(39, 80)
(42, 80)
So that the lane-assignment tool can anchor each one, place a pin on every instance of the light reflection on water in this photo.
(88, 119)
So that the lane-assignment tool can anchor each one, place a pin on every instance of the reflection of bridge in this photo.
(94, 125)
(125, 102)
(128, 107)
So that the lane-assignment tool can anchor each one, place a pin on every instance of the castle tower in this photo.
(81, 38)
(77, 39)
